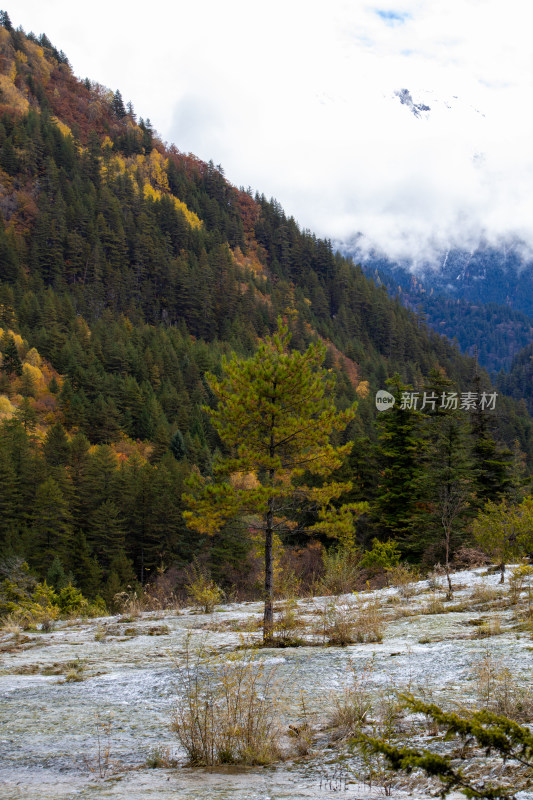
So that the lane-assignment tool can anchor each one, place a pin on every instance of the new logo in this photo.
(384, 400)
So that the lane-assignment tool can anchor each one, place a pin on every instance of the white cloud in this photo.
(297, 100)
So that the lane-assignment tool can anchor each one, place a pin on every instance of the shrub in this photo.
(228, 709)
(485, 594)
(341, 572)
(499, 691)
(201, 589)
(71, 601)
(28, 607)
(435, 606)
(520, 579)
(383, 557)
(347, 623)
(161, 758)
(353, 707)
(31, 603)
(403, 578)
(286, 625)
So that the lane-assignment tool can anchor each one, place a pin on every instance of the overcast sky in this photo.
(297, 100)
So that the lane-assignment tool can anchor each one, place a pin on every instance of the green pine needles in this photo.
(497, 735)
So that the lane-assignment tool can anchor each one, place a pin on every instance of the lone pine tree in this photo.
(275, 416)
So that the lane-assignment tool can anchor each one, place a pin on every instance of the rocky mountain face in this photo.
(482, 297)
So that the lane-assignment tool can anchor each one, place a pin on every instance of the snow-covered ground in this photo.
(131, 672)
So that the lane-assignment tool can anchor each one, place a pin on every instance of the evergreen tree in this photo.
(449, 465)
(27, 384)
(56, 576)
(107, 537)
(51, 524)
(56, 447)
(493, 462)
(177, 446)
(9, 499)
(117, 105)
(27, 415)
(5, 21)
(401, 496)
(11, 363)
(275, 416)
(85, 568)
(496, 736)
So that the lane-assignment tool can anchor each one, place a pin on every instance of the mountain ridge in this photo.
(132, 270)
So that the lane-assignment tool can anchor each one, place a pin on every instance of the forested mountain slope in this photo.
(480, 300)
(127, 269)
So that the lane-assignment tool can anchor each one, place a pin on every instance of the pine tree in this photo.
(275, 415)
(9, 497)
(27, 384)
(51, 524)
(401, 494)
(117, 104)
(56, 447)
(449, 468)
(492, 461)
(5, 21)
(106, 535)
(496, 736)
(11, 362)
(27, 415)
(86, 570)
(177, 446)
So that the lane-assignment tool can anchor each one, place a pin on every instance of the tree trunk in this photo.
(268, 620)
(447, 566)
(502, 572)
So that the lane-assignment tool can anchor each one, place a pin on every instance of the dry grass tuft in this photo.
(161, 758)
(229, 710)
(346, 623)
(354, 705)
(499, 690)
(485, 594)
(489, 627)
(435, 606)
(403, 577)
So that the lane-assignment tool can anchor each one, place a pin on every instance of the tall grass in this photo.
(229, 709)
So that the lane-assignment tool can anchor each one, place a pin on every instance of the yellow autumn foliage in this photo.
(11, 96)
(157, 170)
(65, 130)
(19, 341)
(5, 40)
(7, 409)
(21, 57)
(153, 169)
(37, 61)
(363, 389)
(190, 216)
(241, 480)
(156, 194)
(36, 375)
(33, 357)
